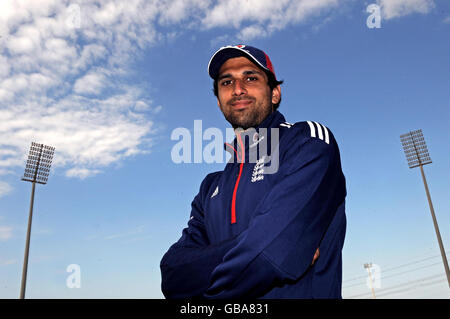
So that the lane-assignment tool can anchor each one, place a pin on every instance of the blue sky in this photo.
(106, 83)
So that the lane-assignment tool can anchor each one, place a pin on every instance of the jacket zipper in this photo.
(233, 201)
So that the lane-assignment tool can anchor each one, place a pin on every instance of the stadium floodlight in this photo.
(417, 155)
(36, 171)
(415, 148)
(368, 266)
(38, 163)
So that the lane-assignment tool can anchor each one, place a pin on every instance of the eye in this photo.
(225, 82)
(252, 78)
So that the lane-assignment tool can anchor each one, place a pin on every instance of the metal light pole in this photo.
(36, 171)
(416, 152)
(368, 266)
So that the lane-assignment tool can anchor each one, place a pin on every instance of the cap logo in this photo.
(240, 46)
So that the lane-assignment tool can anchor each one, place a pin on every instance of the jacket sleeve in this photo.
(187, 266)
(288, 225)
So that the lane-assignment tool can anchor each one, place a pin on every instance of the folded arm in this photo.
(187, 266)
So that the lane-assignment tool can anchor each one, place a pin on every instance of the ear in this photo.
(276, 94)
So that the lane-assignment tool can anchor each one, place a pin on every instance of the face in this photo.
(244, 95)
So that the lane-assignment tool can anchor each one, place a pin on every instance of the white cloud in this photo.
(5, 172)
(251, 32)
(20, 45)
(88, 133)
(5, 189)
(264, 16)
(176, 11)
(5, 233)
(90, 54)
(81, 173)
(53, 78)
(4, 67)
(91, 83)
(397, 8)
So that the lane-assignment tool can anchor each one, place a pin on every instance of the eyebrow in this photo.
(248, 72)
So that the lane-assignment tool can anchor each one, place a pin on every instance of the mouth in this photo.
(241, 104)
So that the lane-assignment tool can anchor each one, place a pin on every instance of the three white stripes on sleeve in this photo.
(322, 131)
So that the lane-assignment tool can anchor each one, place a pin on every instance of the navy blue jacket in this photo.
(255, 226)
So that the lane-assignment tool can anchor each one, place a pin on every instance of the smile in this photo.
(241, 103)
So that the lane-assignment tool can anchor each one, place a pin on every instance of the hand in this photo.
(316, 255)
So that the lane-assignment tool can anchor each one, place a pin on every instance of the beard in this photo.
(247, 117)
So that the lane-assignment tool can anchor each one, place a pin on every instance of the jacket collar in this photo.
(247, 140)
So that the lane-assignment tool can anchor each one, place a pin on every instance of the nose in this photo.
(239, 88)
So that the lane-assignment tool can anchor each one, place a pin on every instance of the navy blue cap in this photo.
(232, 51)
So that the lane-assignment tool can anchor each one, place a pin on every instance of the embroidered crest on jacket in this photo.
(258, 170)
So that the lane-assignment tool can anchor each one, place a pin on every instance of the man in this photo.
(257, 231)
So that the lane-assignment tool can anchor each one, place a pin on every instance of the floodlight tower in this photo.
(416, 152)
(368, 266)
(36, 171)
